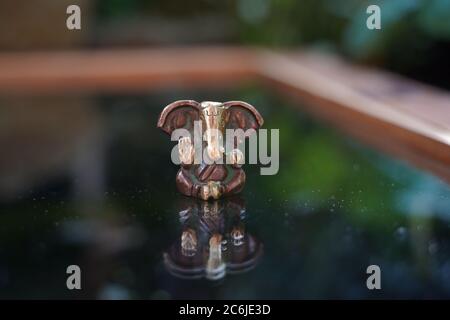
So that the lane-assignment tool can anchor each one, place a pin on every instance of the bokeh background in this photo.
(86, 178)
(415, 36)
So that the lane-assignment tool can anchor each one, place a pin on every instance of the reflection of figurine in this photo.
(213, 241)
(221, 174)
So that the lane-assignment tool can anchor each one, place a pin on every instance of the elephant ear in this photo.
(242, 115)
(179, 114)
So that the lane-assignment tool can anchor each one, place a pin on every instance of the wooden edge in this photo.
(106, 70)
(407, 119)
(370, 117)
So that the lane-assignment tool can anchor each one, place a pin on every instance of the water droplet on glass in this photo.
(401, 233)
(433, 247)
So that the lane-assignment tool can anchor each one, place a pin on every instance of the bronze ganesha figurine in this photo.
(214, 240)
(217, 173)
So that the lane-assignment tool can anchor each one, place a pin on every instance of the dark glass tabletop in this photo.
(87, 180)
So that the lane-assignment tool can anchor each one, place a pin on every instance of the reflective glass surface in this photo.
(87, 180)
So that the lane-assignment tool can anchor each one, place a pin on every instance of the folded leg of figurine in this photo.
(185, 184)
(236, 183)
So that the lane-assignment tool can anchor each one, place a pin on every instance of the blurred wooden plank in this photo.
(394, 114)
(406, 95)
(42, 72)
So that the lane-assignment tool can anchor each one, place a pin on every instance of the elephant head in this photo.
(214, 116)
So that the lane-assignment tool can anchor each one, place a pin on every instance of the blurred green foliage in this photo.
(414, 39)
(320, 171)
